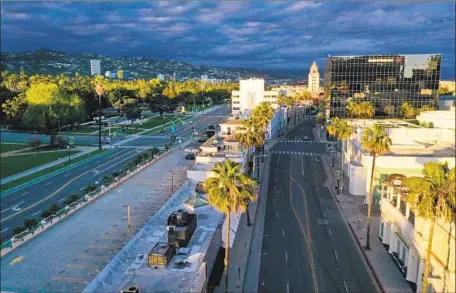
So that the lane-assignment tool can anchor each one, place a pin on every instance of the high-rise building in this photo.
(313, 79)
(95, 67)
(383, 80)
(250, 94)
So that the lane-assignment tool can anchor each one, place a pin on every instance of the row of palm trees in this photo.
(431, 196)
(229, 189)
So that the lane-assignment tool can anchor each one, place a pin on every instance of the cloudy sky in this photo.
(265, 35)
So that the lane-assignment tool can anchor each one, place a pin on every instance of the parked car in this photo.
(190, 157)
(163, 130)
(306, 138)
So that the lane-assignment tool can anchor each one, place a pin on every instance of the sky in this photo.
(267, 35)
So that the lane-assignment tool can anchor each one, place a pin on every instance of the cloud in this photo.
(270, 34)
(301, 5)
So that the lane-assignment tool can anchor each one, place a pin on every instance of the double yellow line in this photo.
(65, 185)
(305, 232)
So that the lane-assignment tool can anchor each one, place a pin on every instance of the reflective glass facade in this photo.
(382, 80)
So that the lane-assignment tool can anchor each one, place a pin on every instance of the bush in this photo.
(89, 188)
(29, 224)
(18, 230)
(53, 209)
(116, 173)
(107, 180)
(71, 199)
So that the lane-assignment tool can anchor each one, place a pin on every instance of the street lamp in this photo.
(254, 165)
(129, 218)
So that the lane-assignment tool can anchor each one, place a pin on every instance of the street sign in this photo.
(70, 138)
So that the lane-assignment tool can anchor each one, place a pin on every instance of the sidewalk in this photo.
(241, 270)
(353, 209)
(83, 151)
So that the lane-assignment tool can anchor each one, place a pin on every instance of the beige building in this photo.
(313, 80)
(405, 234)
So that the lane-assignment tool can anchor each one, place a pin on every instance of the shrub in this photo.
(107, 180)
(71, 199)
(89, 188)
(116, 173)
(18, 230)
(61, 141)
(29, 224)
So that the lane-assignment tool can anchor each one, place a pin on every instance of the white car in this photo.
(16, 208)
(306, 138)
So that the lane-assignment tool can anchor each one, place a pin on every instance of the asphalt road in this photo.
(306, 245)
(31, 201)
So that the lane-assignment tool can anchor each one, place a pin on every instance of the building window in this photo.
(236, 108)
(382, 229)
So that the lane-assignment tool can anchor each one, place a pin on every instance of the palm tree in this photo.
(320, 118)
(389, 110)
(332, 127)
(407, 110)
(343, 132)
(432, 197)
(228, 191)
(367, 109)
(353, 109)
(99, 89)
(262, 114)
(377, 142)
(249, 135)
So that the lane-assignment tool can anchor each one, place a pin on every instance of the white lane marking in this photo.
(62, 199)
(288, 288)
(273, 200)
(81, 188)
(25, 193)
(286, 256)
(329, 230)
(337, 257)
(324, 214)
(48, 183)
(12, 206)
(67, 175)
(36, 213)
(346, 289)
(283, 233)
(116, 163)
(277, 214)
(4, 230)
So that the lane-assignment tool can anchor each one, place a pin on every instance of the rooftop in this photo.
(129, 267)
(426, 149)
(232, 122)
(387, 123)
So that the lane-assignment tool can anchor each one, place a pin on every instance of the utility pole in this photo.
(129, 218)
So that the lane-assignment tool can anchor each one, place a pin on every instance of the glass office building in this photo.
(382, 80)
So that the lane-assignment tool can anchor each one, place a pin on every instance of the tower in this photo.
(314, 78)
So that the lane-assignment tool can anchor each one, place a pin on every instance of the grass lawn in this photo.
(9, 147)
(153, 122)
(16, 164)
(30, 177)
(157, 130)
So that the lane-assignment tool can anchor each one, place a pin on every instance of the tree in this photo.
(107, 180)
(90, 188)
(332, 127)
(389, 110)
(48, 107)
(52, 210)
(35, 142)
(262, 114)
(29, 224)
(343, 132)
(407, 111)
(377, 142)
(229, 190)
(73, 198)
(433, 197)
(14, 108)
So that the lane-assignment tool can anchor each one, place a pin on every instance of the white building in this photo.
(204, 78)
(110, 74)
(405, 234)
(95, 67)
(313, 81)
(250, 94)
(438, 119)
(412, 147)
